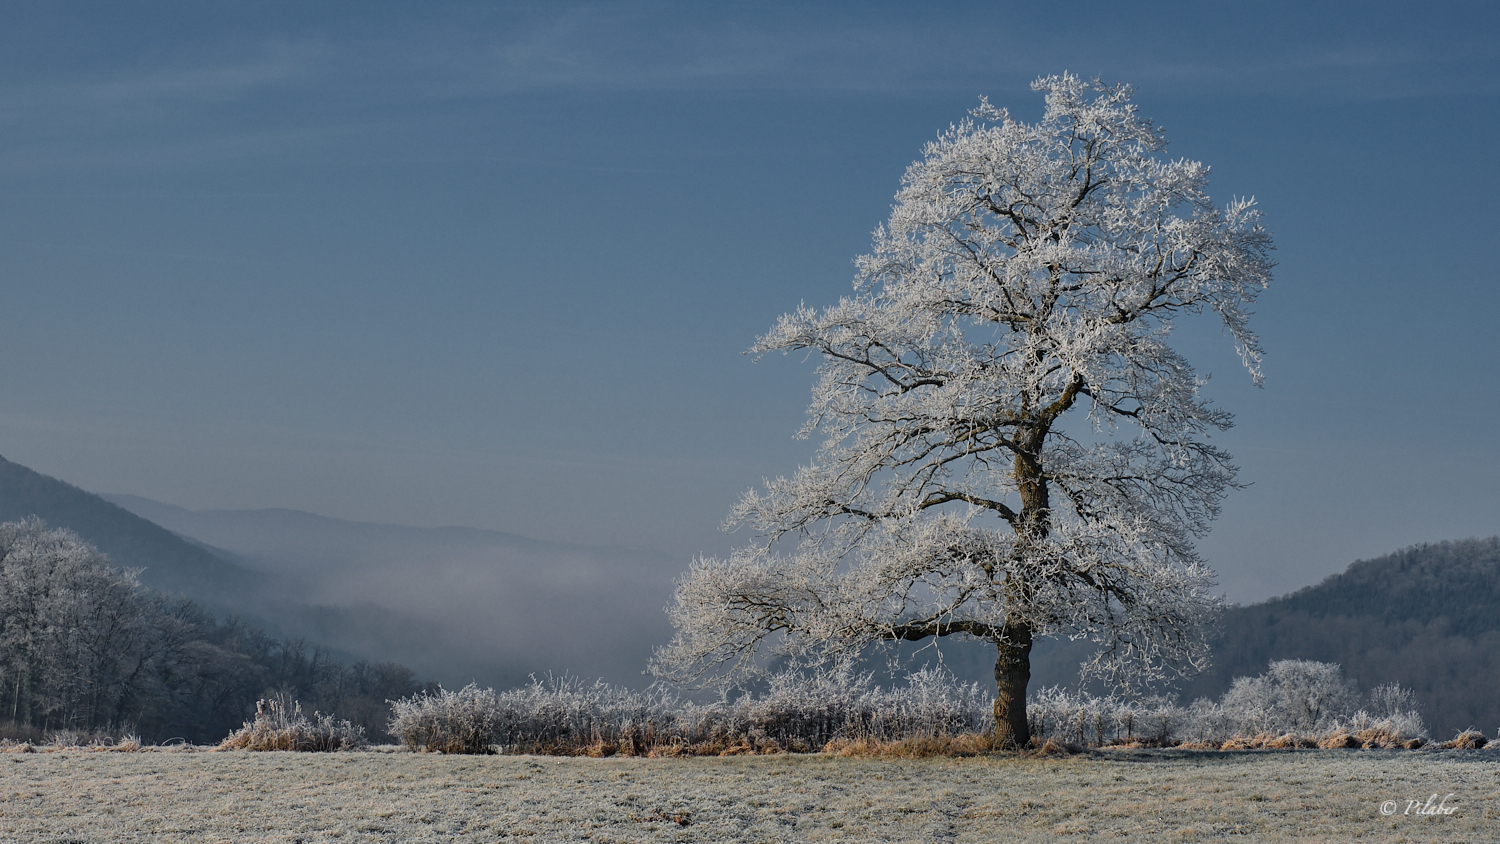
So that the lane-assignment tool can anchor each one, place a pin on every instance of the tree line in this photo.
(84, 647)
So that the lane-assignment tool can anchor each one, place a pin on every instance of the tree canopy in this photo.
(1011, 447)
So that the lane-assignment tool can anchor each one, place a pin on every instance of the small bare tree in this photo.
(1012, 448)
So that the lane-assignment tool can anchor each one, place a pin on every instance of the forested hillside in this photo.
(1426, 617)
(457, 605)
(84, 647)
(180, 650)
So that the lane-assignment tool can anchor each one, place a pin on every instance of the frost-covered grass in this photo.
(1123, 795)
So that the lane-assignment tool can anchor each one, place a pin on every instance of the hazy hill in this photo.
(454, 604)
(1426, 617)
(168, 563)
(475, 604)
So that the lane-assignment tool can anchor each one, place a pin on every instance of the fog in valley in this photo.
(456, 604)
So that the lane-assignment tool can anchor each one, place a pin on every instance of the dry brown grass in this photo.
(1386, 739)
(1339, 740)
(126, 745)
(602, 749)
(963, 746)
(1467, 740)
(1054, 749)
(1255, 742)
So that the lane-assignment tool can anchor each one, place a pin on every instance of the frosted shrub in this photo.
(1390, 700)
(838, 704)
(799, 711)
(815, 708)
(1058, 715)
(1296, 703)
(1204, 723)
(278, 726)
(933, 704)
(837, 708)
(1249, 707)
(1158, 720)
(1311, 696)
(562, 713)
(447, 722)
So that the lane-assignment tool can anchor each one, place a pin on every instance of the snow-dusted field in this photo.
(82, 796)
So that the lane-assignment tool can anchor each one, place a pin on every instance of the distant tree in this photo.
(1296, 695)
(1012, 448)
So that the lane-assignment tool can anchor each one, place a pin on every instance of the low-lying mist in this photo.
(458, 605)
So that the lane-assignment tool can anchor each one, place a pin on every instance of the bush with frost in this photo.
(798, 711)
(447, 721)
(281, 726)
(126, 741)
(1391, 700)
(1204, 723)
(1061, 716)
(1295, 704)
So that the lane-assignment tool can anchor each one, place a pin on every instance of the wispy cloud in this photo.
(237, 95)
(665, 46)
(279, 65)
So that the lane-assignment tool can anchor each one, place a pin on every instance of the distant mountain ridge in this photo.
(1456, 581)
(168, 562)
(1427, 617)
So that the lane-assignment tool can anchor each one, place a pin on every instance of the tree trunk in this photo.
(1012, 674)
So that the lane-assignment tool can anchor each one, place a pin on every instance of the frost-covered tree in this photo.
(1012, 447)
(74, 631)
(1296, 695)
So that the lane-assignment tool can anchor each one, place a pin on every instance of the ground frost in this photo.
(1306, 795)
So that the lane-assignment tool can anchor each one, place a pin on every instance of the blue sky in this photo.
(495, 264)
